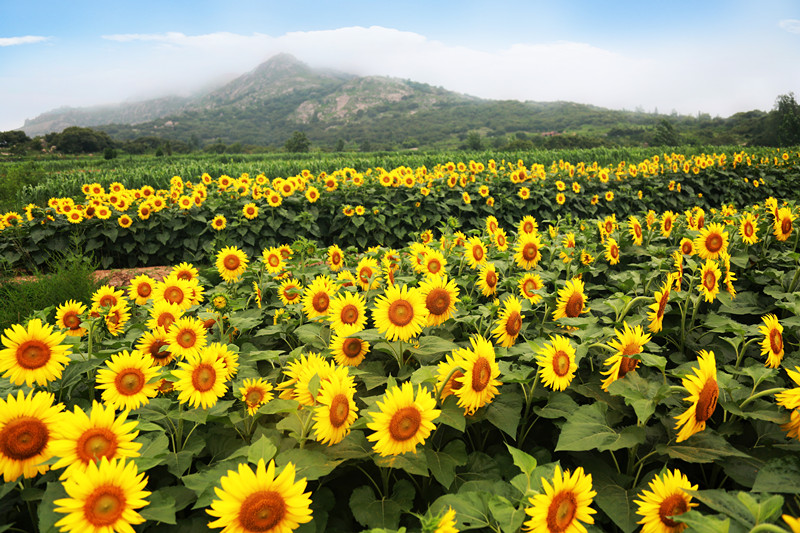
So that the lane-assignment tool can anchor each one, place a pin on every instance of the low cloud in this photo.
(790, 25)
(27, 39)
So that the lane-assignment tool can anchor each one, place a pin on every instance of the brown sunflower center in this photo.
(349, 314)
(609, 226)
(672, 505)
(173, 295)
(454, 384)
(253, 397)
(33, 354)
(574, 305)
(491, 279)
(405, 423)
(231, 262)
(437, 301)
(434, 266)
(707, 400)
(184, 275)
(477, 253)
(614, 251)
(561, 363)
(709, 280)
(481, 374)
(527, 227)
(155, 350)
(714, 242)
(627, 364)
(165, 320)
(23, 438)
(104, 506)
(274, 261)
(637, 229)
(749, 230)
(667, 224)
(71, 320)
(186, 338)
(529, 251)
(107, 301)
(291, 293)
(365, 274)
(786, 225)
(561, 511)
(686, 247)
(513, 324)
(96, 443)
(336, 258)
(528, 287)
(351, 347)
(662, 304)
(775, 341)
(204, 377)
(320, 302)
(340, 409)
(129, 381)
(400, 313)
(144, 289)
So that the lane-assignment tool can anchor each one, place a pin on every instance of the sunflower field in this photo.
(597, 348)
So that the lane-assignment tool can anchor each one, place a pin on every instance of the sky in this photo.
(709, 56)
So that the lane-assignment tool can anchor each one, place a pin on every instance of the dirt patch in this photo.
(122, 277)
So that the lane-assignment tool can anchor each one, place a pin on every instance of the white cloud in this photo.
(27, 39)
(790, 25)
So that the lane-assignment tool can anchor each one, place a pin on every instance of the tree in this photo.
(298, 142)
(474, 141)
(76, 140)
(665, 134)
(788, 120)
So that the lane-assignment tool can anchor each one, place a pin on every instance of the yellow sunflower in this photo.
(186, 337)
(792, 522)
(255, 393)
(447, 522)
(116, 317)
(400, 313)
(612, 251)
(175, 291)
(772, 343)
(141, 289)
(273, 260)
(106, 296)
(154, 343)
(790, 398)
(748, 229)
(509, 323)
(667, 222)
(304, 368)
(703, 393)
(528, 284)
(28, 426)
(290, 291)
(104, 499)
(229, 358)
(571, 301)
(85, 438)
(564, 504)
(368, 274)
(250, 502)
(557, 363)
(201, 379)
(128, 380)
(475, 252)
(628, 343)
(185, 271)
(219, 222)
(657, 309)
(347, 313)
(782, 226)
(250, 211)
(712, 241)
(68, 317)
(435, 263)
(403, 421)
(528, 225)
(348, 350)
(478, 384)
(231, 263)
(500, 239)
(527, 251)
(317, 296)
(163, 314)
(335, 258)
(33, 354)
(635, 230)
(125, 221)
(336, 410)
(487, 279)
(440, 296)
(667, 497)
(709, 280)
(687, 246)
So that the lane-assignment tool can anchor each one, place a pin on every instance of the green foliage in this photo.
(298, 142)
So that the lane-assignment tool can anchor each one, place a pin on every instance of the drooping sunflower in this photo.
(163, 314)
(104, 499)
(231, 263)
(772, 343)
(612, 251)
(141, 289)
(290, 291)
(487, 279)
(186, 337)
(703, 393)
(400, 313)
(556, 362)
(475, 252)
(116, 317)
(28, 426)
(85, 438)
(348, 350)
(440, 296)
(782, 226)
(33, 353)
(629, 342)
(528, 284)
(250, 502)
(403, 421)
(335, 258)
(509, 322)
(128, 380)
(255, 393)
(667, 497)
(478, 384)
(748, 229)
(709, 280)
(317, 296)
(348, 313)
(635, 230)
(201, 379)
(68, 317)
(571, 300)
(527, 251)
(336, 409)
(657, 309)
(564, 504)
(368, 274)
(712, 241)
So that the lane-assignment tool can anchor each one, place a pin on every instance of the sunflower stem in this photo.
(306, 428)
(793, 284)
(684, 309)
(630, 305)
(760, 394)
(767, 527)
(741, 353)
(444, 384)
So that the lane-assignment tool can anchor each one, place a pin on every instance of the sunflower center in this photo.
(668, 224)
(513, 324)
(527, 227)
(709, 280)
(204, 377)
(155, 350)
(351, 347)
(631, 348)
(434, 266)
(454, 384)
(662, 304)
(672, 505)
(405, 423)
(491, 279)
(574, 305)
(107, 301)
(185, 275)
(173, 295)
(253, 397)
(627, 364)
(231, 262)
(748, 229)
(561, 511)
(786, 225)
(320, 302)
(349, 314)
(274, 261)
(71, 320)
(144, 289)
(104, 506)
(129, 382)
(775, 341)
(336, 259)
(291, 293)
(477, 253)
(529, 251)
(165, 320)
(400, 313)
(437, 301)
(96, 443)
(262, 511)
(364, 274)
(714, 243)
(340, 408)
(614, 251)
(561, 363)
(33, 354)
(637, 229)
(707, 400)
(528, 287)
(686, 248)
(481, 374)
(609, 227)
(23, 438)
(186, 338)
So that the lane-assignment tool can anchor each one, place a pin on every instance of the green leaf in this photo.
(451, 414)
(559, 405)
(641, 394)
(704, 447)
(262, 449)
(472, 509)
(762, 511)
(725, 503)
(780, 475)
(587, 429)
(385, 512)
(443, 463)
(617, 503)
(505, 411)
(699, 523)
(412, 462)
(153, 451)
(161, 508)
(310, 464)
(508, 517)
(47, 510)
(526, 463)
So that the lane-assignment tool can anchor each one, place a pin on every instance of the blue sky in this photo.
(701, 56)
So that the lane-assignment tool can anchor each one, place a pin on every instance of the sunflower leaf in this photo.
(781, 475)
(588, 429)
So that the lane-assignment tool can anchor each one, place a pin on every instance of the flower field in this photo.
(485, 346)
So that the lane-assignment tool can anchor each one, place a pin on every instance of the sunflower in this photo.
(312, 194)
(748, 229)
(347, 313)
(305, 368)
(185, 271)
(255, 393)
(687, 246)
(400, 313)
(201, 379)
(528, 226)
(336, 410)
(290, 291)
(368, 274)
(231, 263)
(106, 296)
(635, 230)
(772, 343)
(273, 260)
(657, 309)
(104, 499)
(667, 222)
(782, 226)
(564, 505)
(509, 323)
(250, 211)
(28, 426)
(500, 239)
(487, 279)
(186, 337)
(348, 350)
(164, 314)
(404, 420)
(259, 501)
(478, 384)
(557, 363)
(527, 251)
(571, 300)
(792, 522)
(128, 380)
(317, 296)
(141, 289)
(709, 276)
(86, 438)
(440, 296)
(125, 221)
(712, 241)
(435, 263)
(628, 343)
(790, 398)
(154, 343)
(667, 497)
(335, 258)
(33, 354)
(703, 393)
(612, 251)
(475, 252)
(447, 522)
(68, 317)
(174, 290)
(528, 284)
